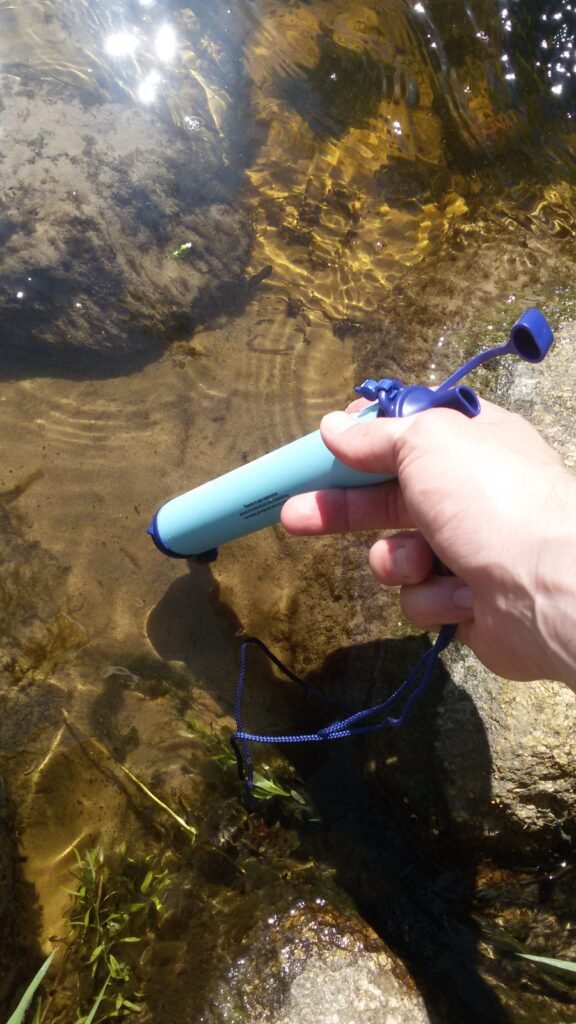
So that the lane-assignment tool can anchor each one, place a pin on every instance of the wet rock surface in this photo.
(526, 736)
(315, 963)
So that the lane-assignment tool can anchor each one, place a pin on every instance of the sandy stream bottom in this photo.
(101, 455)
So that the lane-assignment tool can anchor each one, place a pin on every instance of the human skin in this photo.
(487, 496)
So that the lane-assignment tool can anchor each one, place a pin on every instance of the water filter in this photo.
(249, 498)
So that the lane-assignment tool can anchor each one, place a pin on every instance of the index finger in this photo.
(357, 405)
(347, 510)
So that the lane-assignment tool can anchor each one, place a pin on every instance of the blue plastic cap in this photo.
(203, 557)
(155, 534)
(531, 336)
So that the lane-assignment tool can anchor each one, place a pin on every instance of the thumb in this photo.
(369, 445)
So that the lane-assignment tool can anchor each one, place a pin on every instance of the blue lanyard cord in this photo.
(413, 686)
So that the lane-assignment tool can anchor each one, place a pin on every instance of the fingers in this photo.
(405, 558)
(439, 599)
(346, 510)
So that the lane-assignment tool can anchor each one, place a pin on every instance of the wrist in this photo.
(555, 580)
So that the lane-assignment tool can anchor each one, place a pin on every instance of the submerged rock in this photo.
(37, 636)
(342, 89)
(18, 913)
(94, 196)
(405, 125)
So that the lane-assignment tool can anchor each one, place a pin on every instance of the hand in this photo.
(493, 501)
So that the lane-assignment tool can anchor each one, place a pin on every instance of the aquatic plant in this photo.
(268, 783)
(547, 961)
(266, 787)
(98, 1000)
(564, 965)
(20, 1012)
(113, 900)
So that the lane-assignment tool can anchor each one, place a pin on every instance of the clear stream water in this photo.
(215, 220)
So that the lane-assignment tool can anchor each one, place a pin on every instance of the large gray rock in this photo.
(530, 728)
(347, 988)
(506, 755)
(492, 759)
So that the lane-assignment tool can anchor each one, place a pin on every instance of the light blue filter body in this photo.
(250, 497)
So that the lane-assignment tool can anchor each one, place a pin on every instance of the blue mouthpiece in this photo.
(396, 399)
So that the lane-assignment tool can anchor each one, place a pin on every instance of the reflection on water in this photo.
(344, 189)
(388, 114)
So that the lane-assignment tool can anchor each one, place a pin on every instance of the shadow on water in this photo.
(416, 896)
(45, 318)
(183, 628)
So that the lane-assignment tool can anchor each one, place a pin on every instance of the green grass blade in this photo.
(20, 1011)
(99, 999)
(565, 965)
